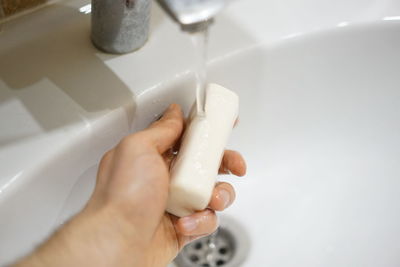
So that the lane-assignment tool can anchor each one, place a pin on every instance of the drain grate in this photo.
(227, 247)
(212, 251)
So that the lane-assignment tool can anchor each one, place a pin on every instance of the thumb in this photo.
(165, 132)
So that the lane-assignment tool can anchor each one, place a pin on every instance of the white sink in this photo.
(318, 126)
(320, 129)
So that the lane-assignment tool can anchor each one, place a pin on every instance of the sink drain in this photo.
(227, 247)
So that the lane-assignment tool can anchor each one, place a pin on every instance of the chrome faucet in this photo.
(193, 15)
(122, 26)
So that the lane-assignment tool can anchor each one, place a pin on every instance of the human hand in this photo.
(124, 222)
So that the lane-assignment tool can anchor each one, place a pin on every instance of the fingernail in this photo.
(189, 224)
(225, 197)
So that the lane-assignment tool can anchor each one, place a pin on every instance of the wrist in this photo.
(91, 238)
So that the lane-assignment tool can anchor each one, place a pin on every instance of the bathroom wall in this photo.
(11, 7)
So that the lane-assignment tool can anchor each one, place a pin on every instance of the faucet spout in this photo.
(123, 26)
(193, 15)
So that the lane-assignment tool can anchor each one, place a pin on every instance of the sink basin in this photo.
(320, 129)
(318, 126)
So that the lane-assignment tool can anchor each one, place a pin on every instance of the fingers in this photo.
(233, 162)
(160, 136)
(206, 222)
(200, 223)
(222, 197)
(165, 132)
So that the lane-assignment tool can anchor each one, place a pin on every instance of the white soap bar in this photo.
(196, 167)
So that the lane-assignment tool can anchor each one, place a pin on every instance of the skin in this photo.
(124, 223)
